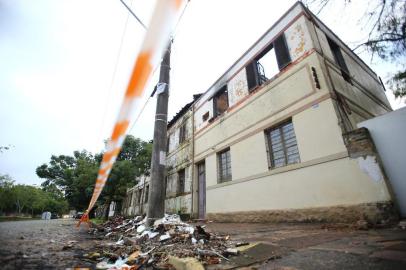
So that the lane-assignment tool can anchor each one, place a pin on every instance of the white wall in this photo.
(388, 133)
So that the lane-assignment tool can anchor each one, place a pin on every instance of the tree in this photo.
(134, 160)
(75, 175)
(386, 24)
(6, 195)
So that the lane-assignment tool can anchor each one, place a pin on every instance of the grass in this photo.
(14, 218)
(98, 221)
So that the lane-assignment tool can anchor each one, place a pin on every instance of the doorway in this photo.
(201, 178)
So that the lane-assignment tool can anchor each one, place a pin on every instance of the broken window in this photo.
(130, 201)
(224, 165)
(181, 182)
(268, 63)
(139, 196)
(220, 101)
(282, 145)
(182, 133)
(205, 116)
(339, 59)
(146, 194)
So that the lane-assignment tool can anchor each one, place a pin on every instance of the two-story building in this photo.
(265, 142)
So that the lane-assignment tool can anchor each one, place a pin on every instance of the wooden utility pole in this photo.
(156, 202)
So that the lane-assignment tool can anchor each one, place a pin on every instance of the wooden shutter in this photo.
(281, 52)
(252, 75)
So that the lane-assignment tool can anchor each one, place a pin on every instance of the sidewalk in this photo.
(318, 246)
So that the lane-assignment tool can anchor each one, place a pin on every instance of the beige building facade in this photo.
(273, 138)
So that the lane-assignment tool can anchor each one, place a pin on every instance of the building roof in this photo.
(182, 111)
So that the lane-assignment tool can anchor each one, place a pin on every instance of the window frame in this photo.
(222, 178)
(339, 59)
(222, 91)
(146, 194)
(268, 140)
(255, 77)
(181, 184)
(182, 133)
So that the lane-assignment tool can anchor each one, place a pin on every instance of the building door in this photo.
(201, 178)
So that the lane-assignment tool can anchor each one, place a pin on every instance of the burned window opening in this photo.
(205, 116)
(339, 59)
(268, 63)
(220, 101)
(181, 182)
(146, 194)
(182, 133)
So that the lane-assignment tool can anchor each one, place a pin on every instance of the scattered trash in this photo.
(185, 263)
(168, 244)
(65, 247)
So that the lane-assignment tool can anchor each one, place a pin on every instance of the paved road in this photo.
(43, 244)
(40, 245)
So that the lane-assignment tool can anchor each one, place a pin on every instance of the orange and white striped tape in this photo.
(157, 37)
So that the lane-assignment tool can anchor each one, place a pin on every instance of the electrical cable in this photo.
(152, 93)
(132, 13)
(114, 74)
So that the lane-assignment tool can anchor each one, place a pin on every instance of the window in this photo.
(167, 143)
(268, 63)
(282, 145)
(182, 133)
(146, 194)
(339, 59)
(139, 196)
(224, 165)
(130, 201)
(181, 182)
(166, 185)
(205, 116)
(220, 101)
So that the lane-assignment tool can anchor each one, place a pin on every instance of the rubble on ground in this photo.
(169, 241)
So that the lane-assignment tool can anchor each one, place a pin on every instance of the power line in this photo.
(114, 73)
(173, 35)
(180, 17)
(132, 13)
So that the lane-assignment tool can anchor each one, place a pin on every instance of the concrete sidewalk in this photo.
(318, 246)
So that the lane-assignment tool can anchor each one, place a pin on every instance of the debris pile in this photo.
(169, 241)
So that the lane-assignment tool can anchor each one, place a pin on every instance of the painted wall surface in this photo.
(173, 182)
(388, 133)
(180, 204)
(317, 132)
(173, 132)
(262, 43)
(365, 94)
(287, 92)
(249, 156)
(298, 38)
(339, 182)
(237, 87)
(206, 107)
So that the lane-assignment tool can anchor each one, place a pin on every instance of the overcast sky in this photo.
(64, 66)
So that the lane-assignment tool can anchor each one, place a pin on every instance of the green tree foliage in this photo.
(6, 195)
(385, 21)
(25, 199)
(75, 175)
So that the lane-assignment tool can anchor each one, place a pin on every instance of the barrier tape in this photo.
(155, 40)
